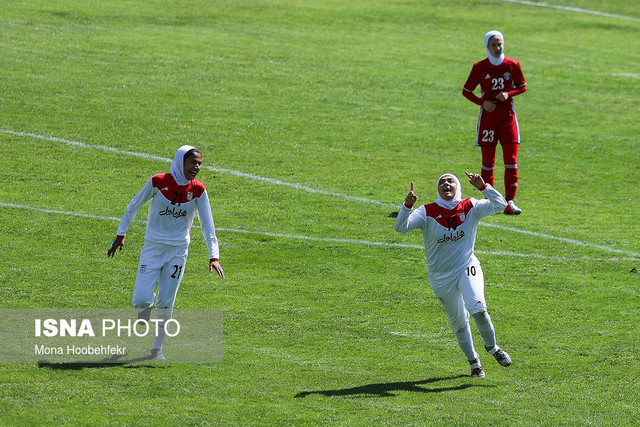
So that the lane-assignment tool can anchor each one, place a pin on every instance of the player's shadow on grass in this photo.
(387, 389)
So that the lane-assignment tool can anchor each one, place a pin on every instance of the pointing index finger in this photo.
(411, 186)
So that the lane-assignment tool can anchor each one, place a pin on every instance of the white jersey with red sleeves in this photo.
(450, 234)
(171, 213)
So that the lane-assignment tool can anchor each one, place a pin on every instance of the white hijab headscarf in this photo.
(177, 166)
(487, 37)
(457, 198)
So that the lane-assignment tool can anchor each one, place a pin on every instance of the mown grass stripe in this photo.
(305, 188)
(319, 239)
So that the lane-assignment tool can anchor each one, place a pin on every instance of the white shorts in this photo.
(164, 265)
(463, 295)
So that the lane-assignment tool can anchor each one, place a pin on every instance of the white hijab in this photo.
(177, 166)
(487, 37)
(457, 198)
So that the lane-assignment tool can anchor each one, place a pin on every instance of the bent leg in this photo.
(486, 329)
(168, 285)
(143, 295)
(471, 286)
(149, 270)
(459, 320)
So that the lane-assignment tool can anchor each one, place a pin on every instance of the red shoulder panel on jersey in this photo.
(170, 189)
(197, 188)
(444, 217)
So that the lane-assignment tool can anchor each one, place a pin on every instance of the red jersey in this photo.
(493, 79)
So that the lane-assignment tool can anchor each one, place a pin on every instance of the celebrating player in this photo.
(449, 229)
(500, 79)
(176, 198)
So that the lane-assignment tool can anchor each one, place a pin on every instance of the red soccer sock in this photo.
(488, 163)
(510, 156)
(510, 181)
(487, 175)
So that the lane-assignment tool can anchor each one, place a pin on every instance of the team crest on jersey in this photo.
(462, 216)
(143, 268)
(507, 76)
(189, 195)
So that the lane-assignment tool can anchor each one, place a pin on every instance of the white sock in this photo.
(486, 329)
(465, 341)
(493, 350)
(158, 341)
(476, 364)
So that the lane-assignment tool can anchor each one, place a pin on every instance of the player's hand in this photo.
(214, 264)
(475, 180)
(411, 198)
(118, 243)
(502, 96)
(490, 106)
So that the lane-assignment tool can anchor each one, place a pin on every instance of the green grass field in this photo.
(313, 117)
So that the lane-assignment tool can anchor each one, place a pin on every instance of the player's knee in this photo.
(460, 330)
(482, 318)
(142, 300)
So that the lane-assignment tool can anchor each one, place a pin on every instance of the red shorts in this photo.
(500, 125)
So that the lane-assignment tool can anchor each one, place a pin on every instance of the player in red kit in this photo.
(500, 79)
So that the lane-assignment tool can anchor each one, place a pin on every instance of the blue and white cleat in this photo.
(512, 209)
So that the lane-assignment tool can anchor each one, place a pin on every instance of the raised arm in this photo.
(407, 219)
(495, 200)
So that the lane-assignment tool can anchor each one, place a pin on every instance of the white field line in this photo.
(631, 75)
(321, 239)
(572, 9)
(299, 187)
(564, 239)
(211, 168)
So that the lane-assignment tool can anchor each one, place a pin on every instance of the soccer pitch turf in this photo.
(313, 117)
